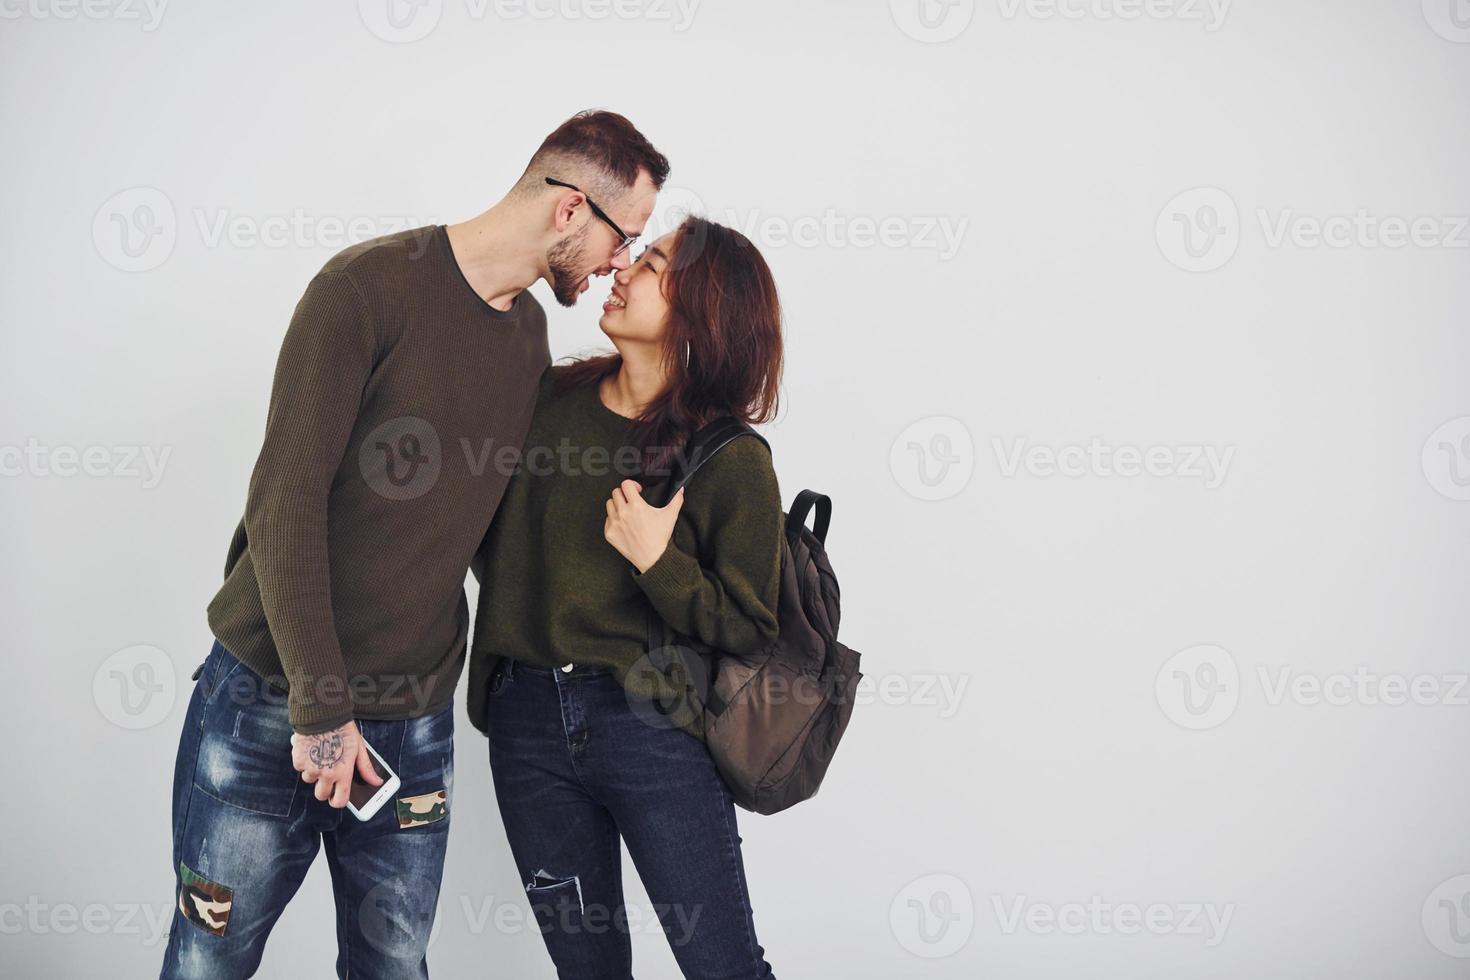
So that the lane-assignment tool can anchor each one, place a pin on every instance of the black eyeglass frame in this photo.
(624, 238)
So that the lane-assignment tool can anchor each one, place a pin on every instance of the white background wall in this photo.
(1075, 707)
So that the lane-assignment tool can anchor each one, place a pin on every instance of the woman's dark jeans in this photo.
(577, 769)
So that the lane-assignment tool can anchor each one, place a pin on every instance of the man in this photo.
(409, 365)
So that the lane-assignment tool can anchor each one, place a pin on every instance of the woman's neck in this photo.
(629, 389)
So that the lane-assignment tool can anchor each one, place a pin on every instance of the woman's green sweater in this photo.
(554, 591)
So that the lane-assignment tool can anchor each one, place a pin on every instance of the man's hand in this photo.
(636, 528)
(328, 758)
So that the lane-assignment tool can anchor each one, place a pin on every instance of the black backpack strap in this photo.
(802, 506)
(701, 447)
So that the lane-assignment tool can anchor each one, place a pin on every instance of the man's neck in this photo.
(491, 251)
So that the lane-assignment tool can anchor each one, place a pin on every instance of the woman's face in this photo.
(636, 309)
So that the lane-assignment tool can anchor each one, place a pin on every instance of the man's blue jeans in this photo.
(246, 828)
(578, 772)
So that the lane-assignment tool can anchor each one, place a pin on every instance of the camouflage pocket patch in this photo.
(203, 902)
(415, 811)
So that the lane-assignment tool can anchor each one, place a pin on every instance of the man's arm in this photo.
(324, 365)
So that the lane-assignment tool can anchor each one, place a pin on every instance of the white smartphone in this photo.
(363, 799)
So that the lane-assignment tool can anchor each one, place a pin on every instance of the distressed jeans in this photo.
(246, 829)
(578, 772)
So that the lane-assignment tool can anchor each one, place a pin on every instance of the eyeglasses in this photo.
(624, 239)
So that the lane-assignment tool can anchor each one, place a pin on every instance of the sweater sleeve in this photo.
(726, 596)
(323, 368)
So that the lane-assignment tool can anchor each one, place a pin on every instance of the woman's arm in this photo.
(727, 595)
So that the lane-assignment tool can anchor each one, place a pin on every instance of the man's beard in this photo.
(565, 258)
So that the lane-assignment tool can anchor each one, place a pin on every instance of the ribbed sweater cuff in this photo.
(321, 698)
(670, 582)
(332, 723)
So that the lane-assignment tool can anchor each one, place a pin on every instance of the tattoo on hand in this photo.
(325, 750)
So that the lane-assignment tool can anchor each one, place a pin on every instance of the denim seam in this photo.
(726, 812)
(344, 926)
(181, 832)
(188, 803)
(344, 940)
(215, 688)
(262, 813)
(567, 735)
(402, 727)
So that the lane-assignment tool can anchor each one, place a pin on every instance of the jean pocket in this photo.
(245, 755)
(501, 677)
(218, 667)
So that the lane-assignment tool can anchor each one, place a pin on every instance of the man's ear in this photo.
(566, 210)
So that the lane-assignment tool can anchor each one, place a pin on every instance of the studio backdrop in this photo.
(1130, 339)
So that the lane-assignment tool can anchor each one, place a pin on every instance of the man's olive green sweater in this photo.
(396, 390)
(554, 591)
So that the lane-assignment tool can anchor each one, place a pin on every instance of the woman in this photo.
(572, 567)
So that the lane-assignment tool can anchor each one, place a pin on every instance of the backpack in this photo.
(772, 722)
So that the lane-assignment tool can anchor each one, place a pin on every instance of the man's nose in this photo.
(621, 261)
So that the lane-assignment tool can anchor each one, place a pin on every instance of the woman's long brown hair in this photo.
(724, 310)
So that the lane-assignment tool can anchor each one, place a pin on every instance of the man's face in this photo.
(587, 249)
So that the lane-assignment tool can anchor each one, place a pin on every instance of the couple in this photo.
(410, 365)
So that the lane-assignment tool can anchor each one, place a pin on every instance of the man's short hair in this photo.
(599, 151)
